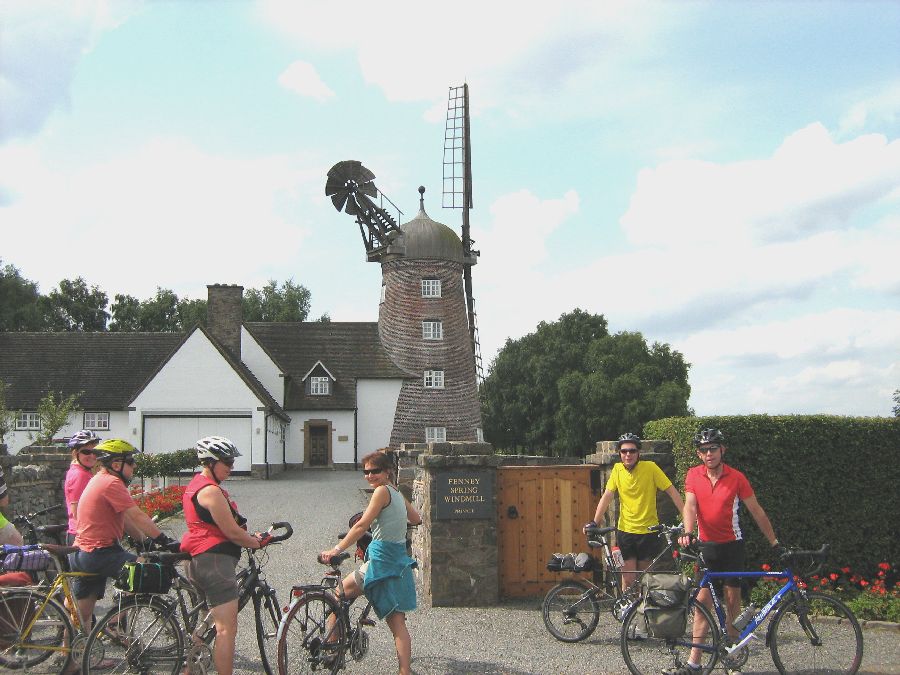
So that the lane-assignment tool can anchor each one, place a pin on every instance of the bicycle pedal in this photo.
(367, 622)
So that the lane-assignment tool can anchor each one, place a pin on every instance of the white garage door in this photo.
(164, 434)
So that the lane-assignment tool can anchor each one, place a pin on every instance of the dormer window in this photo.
(431, 288)
(319, 386)
(318, 380)
(432, 330)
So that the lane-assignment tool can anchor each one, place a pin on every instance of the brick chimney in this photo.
(224, 315)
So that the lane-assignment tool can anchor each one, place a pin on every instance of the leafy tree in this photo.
(20, 308)
(126, 314)
(75, 307)
(271, 303)
(896, 408)
(7, 417)
(571, 383)
(164, 312)
(54, 410)
(325, 318)
(191, 312)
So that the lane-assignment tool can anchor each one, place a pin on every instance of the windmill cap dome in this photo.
(427, 238)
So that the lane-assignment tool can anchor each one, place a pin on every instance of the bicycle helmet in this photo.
(708, 436)
(113, 449)
(629, 438)
(216, 448)
(83, 437)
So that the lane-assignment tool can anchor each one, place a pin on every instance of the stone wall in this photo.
(35, 479)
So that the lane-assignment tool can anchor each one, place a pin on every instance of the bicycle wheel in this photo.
(306, 641)
(31, 634)
(570, 611)
(818, 635)
(646, 654)
(268, 617)
(140, 635)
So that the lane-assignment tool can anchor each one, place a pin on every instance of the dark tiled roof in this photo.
(349, 350)
(108, 367)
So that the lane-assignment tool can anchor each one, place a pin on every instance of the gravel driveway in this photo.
(509, 639)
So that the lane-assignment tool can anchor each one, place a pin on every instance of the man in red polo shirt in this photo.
(713, 493)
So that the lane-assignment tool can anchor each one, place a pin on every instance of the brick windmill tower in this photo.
(422, 318)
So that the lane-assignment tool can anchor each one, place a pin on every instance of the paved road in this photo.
(510, 639)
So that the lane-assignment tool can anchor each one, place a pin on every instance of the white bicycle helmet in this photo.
(216, 448)
(83, 437)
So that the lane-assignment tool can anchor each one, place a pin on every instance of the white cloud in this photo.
(878, 108)
(302, 78)
(43, 43)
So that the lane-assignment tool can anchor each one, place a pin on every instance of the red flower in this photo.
(863, 583)
(884, 566)
(845, 570)
(833, 576)
(766, 567)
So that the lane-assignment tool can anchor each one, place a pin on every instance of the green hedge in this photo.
(165, 463)
(820, 478)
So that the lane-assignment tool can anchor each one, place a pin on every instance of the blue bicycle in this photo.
(809, 632)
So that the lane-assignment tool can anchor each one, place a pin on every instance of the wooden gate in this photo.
(541, 510)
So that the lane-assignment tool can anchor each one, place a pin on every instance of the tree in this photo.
(289, 303)
(75, 307)
(20, 308)
(896, 408)
(164, 312)
(54, 410)
(571, 383)
(7, 417)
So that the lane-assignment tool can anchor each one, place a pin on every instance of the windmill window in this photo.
(28, 421)
(96, 420)
(432, 330)
(319, 386)
(434, 379)
(431, 288)
(479, 435)
(383, 287)
(435, 434)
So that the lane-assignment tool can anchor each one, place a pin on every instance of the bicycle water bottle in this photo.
(744, 617)
(618, 560)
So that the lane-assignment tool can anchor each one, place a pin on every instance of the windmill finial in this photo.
(422, 203)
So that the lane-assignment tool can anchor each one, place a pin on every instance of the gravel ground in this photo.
(509, 639)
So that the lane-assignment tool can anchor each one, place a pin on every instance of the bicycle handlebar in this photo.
(278, 538)
(166, 557)
(335, 560)
(26, 518)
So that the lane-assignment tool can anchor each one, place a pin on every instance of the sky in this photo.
(722, 177)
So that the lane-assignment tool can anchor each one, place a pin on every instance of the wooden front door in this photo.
(541, 510)
(318, 446)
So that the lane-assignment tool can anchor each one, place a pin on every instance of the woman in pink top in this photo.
(79, 474)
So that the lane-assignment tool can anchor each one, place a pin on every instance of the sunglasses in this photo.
(86, 452)
(128, 460)
(373, 472)
(710, 449)
(227, 462)
(629, 451)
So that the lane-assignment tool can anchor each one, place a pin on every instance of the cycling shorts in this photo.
(213, 575)
(725, 557)
(637, 546)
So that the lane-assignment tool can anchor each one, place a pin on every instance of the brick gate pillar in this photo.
(455, 491)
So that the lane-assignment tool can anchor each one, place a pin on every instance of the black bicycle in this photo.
(154, 633)
(572, 608)
(34, 534)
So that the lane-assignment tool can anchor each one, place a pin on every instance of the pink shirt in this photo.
(77, 478)
(101, 512)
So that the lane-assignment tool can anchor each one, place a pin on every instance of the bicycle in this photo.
(572, 608)
(34, 623)
(33, 534)
(163, 634)
(306, 643)
(809, 631)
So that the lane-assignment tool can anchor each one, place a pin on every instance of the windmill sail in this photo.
(458, 195)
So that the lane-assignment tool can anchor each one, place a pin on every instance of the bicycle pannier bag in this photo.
(26, 561)
(664, 604)
(584, 562)
(555, 562)
(137, 577)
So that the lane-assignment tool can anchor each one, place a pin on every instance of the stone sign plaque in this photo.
(462, 494)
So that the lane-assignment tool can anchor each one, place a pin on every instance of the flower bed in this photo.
(161, 503)
(875, 599)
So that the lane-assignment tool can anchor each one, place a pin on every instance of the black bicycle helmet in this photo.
(705, 436)
(628, 437)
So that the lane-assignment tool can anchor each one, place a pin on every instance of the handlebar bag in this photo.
(26, 561)
(143, 577)
(664, 600)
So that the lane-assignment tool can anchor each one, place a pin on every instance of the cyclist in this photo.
(386, 576)
(637, 482)
(713, 492)
(80, 471)
(216, 534)
(106, 510)
(8, 532)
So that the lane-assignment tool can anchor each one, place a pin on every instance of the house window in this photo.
(319, 386)
(434, 379)
(435, 434)
(96, 420)
(431, 288)
(432, 330)
(383, 287)
(29, 421)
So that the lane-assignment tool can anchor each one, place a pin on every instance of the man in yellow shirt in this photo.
(636, 482)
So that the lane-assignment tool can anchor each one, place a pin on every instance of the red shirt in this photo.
(717, 506)
(77, 478)
(101, 512)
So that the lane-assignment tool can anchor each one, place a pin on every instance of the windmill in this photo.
(458, 195)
